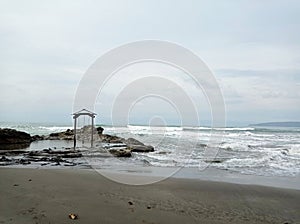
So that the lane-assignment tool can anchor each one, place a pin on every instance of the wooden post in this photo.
(75, 119)
(92, 139)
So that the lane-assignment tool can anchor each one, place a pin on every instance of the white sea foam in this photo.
(220, 128)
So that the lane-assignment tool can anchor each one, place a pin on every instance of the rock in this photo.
(120, 152)
(47, 150)
(23, 161)
(130, 202)
(37, 138)
(13, 139)
(163, 153)
(72, 155)
(137, 146)
(4, 159)
(202, 145)
(284, 153)
(88, 128)
(214, 161)
(46, 156)
(132, 141)
(100, 130)
(12, 136)
(13, 152)
(54, 134)
(141, 148)
(83, 134)
(14, 146)
(132, 144)
(65, 135)
(111, 139)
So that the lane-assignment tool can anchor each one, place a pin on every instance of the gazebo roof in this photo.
(84, 112)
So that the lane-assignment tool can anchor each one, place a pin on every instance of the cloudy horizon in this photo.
(252, 47)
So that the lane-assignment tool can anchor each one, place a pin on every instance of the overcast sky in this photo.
(252, 47)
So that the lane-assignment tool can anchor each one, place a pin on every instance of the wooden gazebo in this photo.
(84, 112)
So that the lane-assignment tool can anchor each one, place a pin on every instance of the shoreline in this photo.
(49, 195)
(150, 175)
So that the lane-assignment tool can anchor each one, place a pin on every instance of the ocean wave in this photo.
(56, 128)
(218, 129)
(295, 150)
(143, 127)
(158, 130)
(246, 149)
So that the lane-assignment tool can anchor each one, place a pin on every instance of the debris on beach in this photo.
(130, 202)
(73, 216)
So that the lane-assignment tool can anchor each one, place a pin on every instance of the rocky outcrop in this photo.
(65, 135)
(11, 136)
(131, 144)
(13, 139)
(37, 138)
(68, 135)
(43, 157)
(119, 147)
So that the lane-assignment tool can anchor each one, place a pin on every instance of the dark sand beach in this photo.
(50, 195)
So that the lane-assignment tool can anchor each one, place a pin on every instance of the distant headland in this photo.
(278, 124)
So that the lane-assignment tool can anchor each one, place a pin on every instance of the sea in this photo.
(263, 151)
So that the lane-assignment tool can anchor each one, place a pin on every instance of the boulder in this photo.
(141, 148)
(111, 139)
(136, 146)
(100, 130)
(37, 138)
(13, 139)
(120, 152)
(12, 136)
(65, 135)
(85, 133)
(214, 161)
(132, 141)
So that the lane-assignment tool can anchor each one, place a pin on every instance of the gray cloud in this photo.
(253, 47)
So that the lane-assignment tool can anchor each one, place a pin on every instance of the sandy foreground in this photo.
(50, 195)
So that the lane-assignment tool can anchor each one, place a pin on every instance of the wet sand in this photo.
(49, 195)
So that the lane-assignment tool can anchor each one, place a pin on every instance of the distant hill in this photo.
(278, 124)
